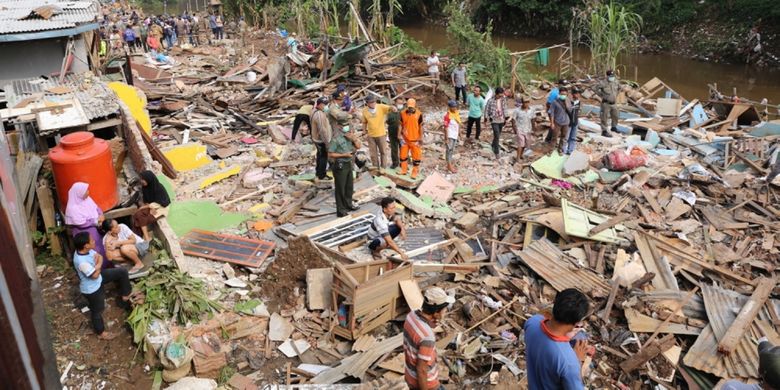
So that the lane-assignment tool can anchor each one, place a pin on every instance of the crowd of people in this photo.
(122, 30)
(400, 127)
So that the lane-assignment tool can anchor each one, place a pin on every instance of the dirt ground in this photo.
(97, 364)
(287, 272)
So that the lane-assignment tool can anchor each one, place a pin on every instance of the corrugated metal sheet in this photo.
(97, 100)
(73, 14)
(550, 263)
(722, 307)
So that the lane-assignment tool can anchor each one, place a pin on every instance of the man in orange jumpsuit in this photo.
(412, 137)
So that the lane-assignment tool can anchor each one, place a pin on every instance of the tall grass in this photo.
(609, 29)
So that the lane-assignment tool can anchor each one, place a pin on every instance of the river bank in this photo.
(689, 76)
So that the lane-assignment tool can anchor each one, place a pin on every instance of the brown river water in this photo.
(686, 76)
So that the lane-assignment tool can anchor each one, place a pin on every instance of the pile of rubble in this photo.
(676, 248)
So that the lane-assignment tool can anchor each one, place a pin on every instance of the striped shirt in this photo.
(419, 343)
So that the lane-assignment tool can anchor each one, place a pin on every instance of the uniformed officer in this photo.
(341, 151)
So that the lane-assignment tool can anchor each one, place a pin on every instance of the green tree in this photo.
(609, 29)
(490, 63)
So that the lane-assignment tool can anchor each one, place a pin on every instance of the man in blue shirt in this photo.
(88, 265)
(551, 361)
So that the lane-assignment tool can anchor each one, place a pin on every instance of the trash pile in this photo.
(668, 227)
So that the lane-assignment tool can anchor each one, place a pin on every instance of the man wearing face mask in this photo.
(412, 137)
(608, 90)
(559, 119)
(374, 118)
(341, 150)
(393, 123)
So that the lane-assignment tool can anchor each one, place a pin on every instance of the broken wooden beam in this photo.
(608, 224)
(293, 209)
(611, 300)
(655, 348)
(746, 315)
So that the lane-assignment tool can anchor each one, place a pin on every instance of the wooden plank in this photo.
(655, 348)
(638, 322)
(158, 155)
(293, 209)
(608, 224)
(610, 301)
(412, 293)
(318, 288)
(46, 203)
(652, 202)
(746, 315)
(750, 163)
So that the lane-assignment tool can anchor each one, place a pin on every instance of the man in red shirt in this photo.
(420, 369)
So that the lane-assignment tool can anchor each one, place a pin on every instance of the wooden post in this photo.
(514, 74)
(46, 202)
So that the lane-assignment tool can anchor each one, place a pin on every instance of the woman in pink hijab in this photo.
(83, 215)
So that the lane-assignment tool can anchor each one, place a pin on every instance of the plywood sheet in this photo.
(668, 107)
(318, 288)
(437, 187)
(412, 293)
(70, 115)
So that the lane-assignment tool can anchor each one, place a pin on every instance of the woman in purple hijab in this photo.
(83, 215)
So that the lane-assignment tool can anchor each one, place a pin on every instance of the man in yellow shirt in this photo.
(374, 118)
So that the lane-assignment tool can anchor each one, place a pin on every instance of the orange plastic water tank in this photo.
(80, 157)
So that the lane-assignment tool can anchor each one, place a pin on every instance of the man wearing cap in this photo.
(341, 151)
(382, 232)
(452, 124)
(420, 369)
(336, 115)
(522, 123)
(551, 361)
(321, 133)
(608, 90)
(496, 115)
(559, 119)
(412, 137)
(374, 118)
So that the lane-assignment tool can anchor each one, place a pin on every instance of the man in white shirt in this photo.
(381, 233)
(122, 244)
(433, 69)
